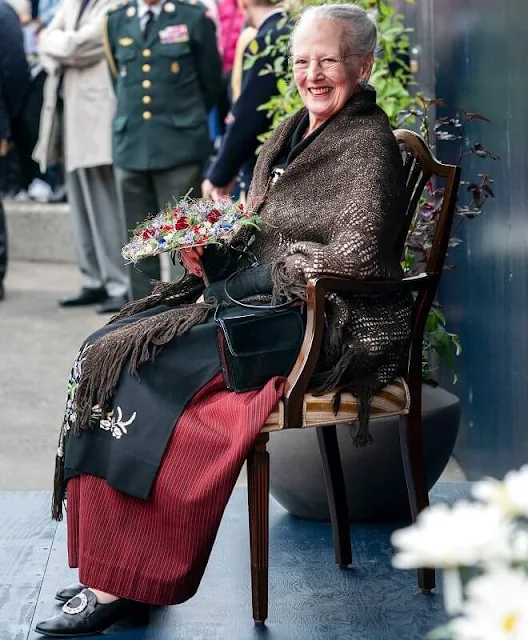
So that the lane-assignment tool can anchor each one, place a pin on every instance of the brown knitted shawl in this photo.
(337, 209)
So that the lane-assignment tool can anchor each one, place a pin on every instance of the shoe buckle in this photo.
(80, 607)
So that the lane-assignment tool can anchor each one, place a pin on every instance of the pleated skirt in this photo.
(155, 551)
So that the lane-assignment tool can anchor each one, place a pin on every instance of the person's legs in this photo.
(107, 229)
(175, 183)
(137, 199)
(82, 232)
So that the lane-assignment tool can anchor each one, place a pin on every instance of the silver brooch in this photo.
(81, 607)
(276, 174)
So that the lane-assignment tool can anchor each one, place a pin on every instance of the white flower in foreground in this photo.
(496, 608)
(445, 538)
(510, 495)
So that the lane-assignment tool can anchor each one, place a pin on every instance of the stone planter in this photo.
(374, 475)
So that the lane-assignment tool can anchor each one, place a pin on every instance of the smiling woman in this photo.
(152, 440)
(330, 62)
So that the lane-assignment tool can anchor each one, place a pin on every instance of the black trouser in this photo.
(25, 131)
(3, 243)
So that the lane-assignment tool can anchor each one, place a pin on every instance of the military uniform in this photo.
(166, 83)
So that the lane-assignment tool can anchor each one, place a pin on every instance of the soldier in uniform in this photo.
(168, 75)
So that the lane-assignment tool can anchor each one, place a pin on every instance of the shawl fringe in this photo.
(348, 359)
(285, 285)
(186, 289)
(59, 489)
(137, 342)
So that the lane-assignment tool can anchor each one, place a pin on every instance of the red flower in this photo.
(181, 224)
(214, 216)
(147, 233)
(167, 227)
(176, 211)
(240, 207)
(196, 229)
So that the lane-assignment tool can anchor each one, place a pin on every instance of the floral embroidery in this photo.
(108, 422)
(70, 415)
(117, 426)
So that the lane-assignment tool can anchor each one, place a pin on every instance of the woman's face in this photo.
(326, 74)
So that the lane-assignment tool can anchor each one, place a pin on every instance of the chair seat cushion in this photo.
(392, 400)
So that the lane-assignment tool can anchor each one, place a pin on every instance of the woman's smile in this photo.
(320, 91)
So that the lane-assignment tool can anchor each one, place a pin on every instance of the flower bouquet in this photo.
(191, 222)
(482, 548)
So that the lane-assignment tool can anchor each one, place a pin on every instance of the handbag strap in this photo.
(245, 305)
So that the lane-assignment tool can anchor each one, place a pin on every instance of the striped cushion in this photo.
(393, 400)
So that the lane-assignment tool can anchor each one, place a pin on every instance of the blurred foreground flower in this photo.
(447, 538)
(509, 495)
(496, 609)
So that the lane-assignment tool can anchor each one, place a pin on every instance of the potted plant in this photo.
(374, 476)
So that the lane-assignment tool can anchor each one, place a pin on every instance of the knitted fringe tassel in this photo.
(136, 343)
(59, 489)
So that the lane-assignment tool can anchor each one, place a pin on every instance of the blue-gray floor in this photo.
(310, 597)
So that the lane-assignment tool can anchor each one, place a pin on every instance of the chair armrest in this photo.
(316, 291)
(374, 287)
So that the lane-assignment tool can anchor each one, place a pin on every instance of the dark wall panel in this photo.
(480, 52)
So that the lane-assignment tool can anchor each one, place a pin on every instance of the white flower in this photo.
(510, 495)
(117, 426)
(496, 608)
(445, 538)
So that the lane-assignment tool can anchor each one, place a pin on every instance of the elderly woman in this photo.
(151, 446)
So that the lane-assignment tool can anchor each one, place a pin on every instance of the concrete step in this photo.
(39, 232)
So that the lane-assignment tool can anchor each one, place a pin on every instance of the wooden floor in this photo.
(310, 597)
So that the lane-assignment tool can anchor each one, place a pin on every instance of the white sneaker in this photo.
(39, 190)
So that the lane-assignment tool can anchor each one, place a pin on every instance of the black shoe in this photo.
(84, 297)
(113, 304)
(69, 592)
(84, 616)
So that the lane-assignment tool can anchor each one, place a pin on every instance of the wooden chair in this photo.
(299, 409)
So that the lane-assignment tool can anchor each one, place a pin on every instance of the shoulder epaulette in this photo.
(118, 6)
(195, 4)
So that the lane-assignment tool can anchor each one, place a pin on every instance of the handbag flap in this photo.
(251, 333)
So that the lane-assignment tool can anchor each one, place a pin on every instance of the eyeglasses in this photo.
(326, 64)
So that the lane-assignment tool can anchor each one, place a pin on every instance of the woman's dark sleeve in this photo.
(247, 282)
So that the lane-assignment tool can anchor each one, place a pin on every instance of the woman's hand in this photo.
(191, 260)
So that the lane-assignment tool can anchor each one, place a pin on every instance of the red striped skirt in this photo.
(156, 550)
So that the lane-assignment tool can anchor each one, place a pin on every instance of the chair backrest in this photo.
(420, 167)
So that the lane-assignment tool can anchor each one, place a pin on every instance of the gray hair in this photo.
(361, 34)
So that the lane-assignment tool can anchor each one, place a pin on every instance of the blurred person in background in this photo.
(72, 52)
(232, 21)
(46, 11)
(236, 158)
(247, 35)
(14, 85)
(23, 10)
(19, 170)
(168, 76)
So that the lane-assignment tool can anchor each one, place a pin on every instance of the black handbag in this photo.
(257, 342)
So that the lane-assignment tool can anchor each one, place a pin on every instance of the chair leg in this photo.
(336, 493)
(413, 464)
(258, 503)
